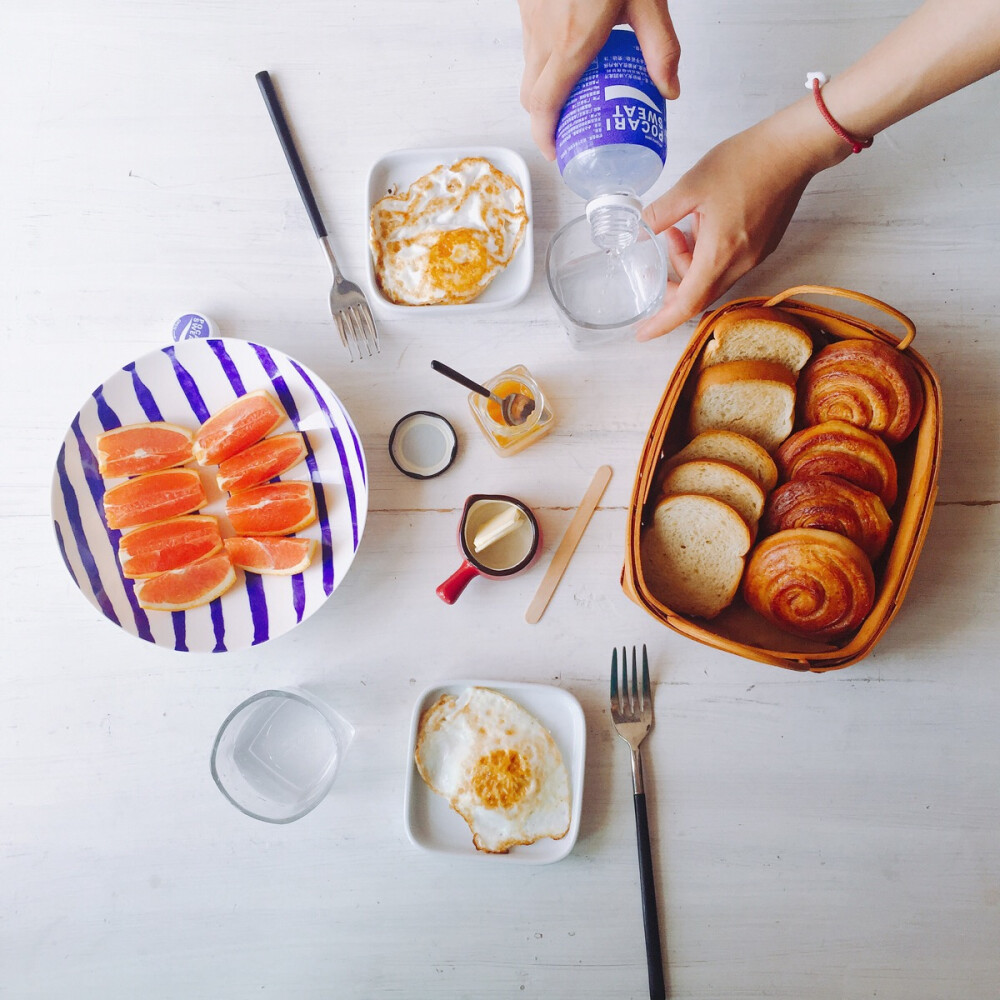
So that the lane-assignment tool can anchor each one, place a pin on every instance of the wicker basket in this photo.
(738, 629)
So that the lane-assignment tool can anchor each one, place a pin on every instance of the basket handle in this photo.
(905, 321)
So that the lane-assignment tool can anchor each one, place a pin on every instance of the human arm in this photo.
(742, 194)
(561, 39)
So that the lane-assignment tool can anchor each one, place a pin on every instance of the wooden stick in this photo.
(568, 545)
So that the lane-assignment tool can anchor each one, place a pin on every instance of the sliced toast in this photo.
(736, 449)
(720, 480)
(755, 398)
(756, 333)
(692, 554)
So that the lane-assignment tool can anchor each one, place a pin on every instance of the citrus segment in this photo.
(188, 587)
(166, 545)
(271, 556)
(261, 462)
(272, 509)
(237, 426)
(138, 448)
(153, 496)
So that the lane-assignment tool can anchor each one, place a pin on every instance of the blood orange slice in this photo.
(271, 556)
(261, 462)
(138, 448)
(153, 496)
(272, 509)
(189, 587)
(166, 545)
(237, 426)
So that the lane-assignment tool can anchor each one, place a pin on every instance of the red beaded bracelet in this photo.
(815, 81)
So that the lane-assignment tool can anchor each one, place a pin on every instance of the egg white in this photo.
(446, 238)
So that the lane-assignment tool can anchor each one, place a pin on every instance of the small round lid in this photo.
(193, 325)
(422, 444)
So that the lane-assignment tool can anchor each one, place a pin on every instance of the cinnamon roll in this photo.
(865, 382)
(837, 448)
(812, 583)
(833, 504)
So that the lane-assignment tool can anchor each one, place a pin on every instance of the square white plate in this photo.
(399, 169)
(433, 825)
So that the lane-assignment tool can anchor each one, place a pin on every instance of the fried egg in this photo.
(444, 239)
(498, 767)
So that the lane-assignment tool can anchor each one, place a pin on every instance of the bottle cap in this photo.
(192, 326)
(628, 202)
(422, 444)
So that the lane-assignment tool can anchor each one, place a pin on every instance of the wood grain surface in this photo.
(822, 836)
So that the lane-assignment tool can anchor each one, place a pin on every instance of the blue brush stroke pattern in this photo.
(237, 359)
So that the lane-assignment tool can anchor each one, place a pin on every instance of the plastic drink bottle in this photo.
(611, 140)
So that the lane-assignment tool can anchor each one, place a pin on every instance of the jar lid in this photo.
(422, 444)
(193, 325)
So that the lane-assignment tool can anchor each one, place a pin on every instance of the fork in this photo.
(348, 304)
(632, 714)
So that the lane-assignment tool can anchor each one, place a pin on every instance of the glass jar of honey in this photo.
(507, 439)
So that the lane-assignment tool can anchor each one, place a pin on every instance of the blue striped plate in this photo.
(184, 384)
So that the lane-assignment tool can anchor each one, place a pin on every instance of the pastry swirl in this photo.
(833, 504)
(838, 448)
(865, 382)
(812, 583)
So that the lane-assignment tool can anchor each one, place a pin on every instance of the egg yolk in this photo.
(501, 778)
(458, 260)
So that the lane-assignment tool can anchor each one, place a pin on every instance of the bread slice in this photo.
(755, 398)
(736, 449)
(720, 480)
(756, 333)
(692, 554)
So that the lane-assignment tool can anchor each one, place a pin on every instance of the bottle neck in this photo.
(614, 220)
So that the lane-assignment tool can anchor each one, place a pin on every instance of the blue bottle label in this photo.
(191, 326)
(614, 102)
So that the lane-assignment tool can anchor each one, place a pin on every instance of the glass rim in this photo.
(321, 790)
(583, 324)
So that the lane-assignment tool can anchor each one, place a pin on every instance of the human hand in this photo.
(561, 39)
(742, 195)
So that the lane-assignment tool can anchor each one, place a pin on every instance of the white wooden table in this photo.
(822, 836)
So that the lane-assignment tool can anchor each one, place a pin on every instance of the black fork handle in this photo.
(650, 921)
(263, 79)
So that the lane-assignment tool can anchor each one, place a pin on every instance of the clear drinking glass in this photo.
(277, 753)
(603, 295)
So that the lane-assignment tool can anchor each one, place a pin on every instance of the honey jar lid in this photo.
(423, 444)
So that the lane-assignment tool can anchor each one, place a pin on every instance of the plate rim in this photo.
(58, 514)
(525, 255)
(415, 786)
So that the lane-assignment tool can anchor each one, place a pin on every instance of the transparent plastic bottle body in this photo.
(606, 271)
(612, 170)
(611, 140)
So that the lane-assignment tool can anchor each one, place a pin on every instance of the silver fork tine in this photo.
(338, 319)
(615, 697)
(636, 704)
(626, 694)
(647, 694)
(363, 316)
(352, 322)
(371, 330)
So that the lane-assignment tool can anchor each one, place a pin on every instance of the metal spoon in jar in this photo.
(515, 407)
